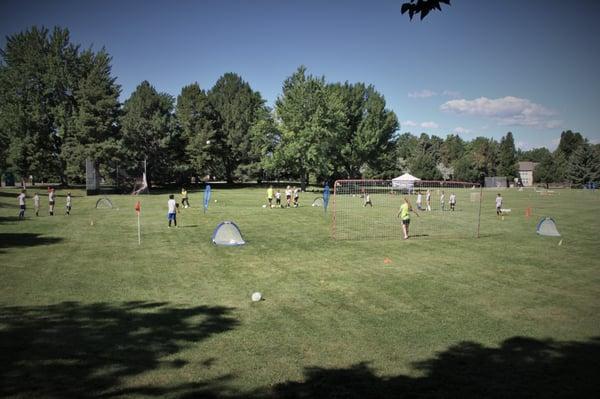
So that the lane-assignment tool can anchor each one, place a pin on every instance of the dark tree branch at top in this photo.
(422, 7)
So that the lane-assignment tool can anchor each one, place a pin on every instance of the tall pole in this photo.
(139, 230)
(479, 217)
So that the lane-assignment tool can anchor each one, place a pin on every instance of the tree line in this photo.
(59, 105)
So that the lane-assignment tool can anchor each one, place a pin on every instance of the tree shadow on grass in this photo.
(8, 240)
(8, 219)
(87, 350)
(518, 368)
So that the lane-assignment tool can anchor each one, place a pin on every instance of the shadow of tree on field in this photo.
(519, 368)
(8, 240)
(87, 350)
(9, 219)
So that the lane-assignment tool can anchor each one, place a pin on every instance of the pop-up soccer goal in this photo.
(227, 233)
(355, 219)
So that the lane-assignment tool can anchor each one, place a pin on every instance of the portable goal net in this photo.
(367, 209)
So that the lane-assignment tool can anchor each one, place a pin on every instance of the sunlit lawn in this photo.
(86, 311)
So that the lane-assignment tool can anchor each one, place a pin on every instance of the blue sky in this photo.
(479, 68)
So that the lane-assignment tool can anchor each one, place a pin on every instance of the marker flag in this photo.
(206, 197)
(325, 197)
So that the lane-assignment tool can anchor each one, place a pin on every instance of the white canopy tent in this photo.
(406, 181)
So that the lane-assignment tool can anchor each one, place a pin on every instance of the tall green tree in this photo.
(367, 132)
(546, 170)
(584, 165)
(237, 108)
(507, 159)
(423, 166)
(196, 118)
(452, 149)
(310, 117)
(464, 168)
(483, 151)
(94, 132)
(147, 132)
(38, 74)
(534, 155)
(569, 142)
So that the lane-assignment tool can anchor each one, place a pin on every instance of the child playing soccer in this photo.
(296, 196)
(21, 199)
(419, 200)
(428, 200)
(452, 201)
(270, 196)
(51, 199)
(368, 201)
(443, 201)
(184, 198)
(288, 196)
(404, 214)
(36, 204)
(278, 199)
(68, 205)
(499, 205)
(172, 210)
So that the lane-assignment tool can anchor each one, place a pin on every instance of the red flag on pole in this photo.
(138, 207)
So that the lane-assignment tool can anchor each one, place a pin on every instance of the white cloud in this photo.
(513, 111)
(594, 141)
(408, 123)
(461, 130)
(422, 94)
(430, 125)
(451, 93)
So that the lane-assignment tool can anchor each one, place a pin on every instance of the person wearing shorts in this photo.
(288, 196)
(270, 196)
(278, 199)
(452, 202)
(499, 205)
(185, 202)
(51, 201)
(296, 196)
(21, 199)
(404, 214)
(172, 210)
(36, 204)
(68, 205)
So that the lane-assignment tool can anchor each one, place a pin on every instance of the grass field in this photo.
(87, 312)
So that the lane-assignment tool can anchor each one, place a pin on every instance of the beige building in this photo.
(526, 172)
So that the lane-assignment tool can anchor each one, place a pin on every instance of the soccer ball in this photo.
(215, 200)
(256, 297)
(207, 142)
(264, 205)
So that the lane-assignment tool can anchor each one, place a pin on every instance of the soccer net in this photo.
(367, 209)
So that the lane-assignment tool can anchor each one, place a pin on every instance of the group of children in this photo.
(22, 197)
(451, 201)
(290, 193)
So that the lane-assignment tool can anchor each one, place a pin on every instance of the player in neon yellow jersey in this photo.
(404, 214)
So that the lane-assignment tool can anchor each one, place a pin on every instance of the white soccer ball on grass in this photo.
(257, 296)
(264, 206)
